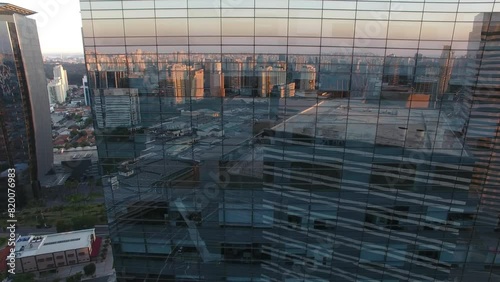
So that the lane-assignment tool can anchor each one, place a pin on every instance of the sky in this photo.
(59, 24)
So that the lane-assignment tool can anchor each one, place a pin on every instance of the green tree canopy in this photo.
(63, 226)
(23, 277)
(84, 222)
(89, 269)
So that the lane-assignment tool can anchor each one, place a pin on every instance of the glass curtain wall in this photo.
(292, 140)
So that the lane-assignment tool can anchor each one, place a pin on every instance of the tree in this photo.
(73, 133)
(63, 226)
(88, 121)
(83, 222)
(92, 183)
(70, 184)
(40, 219)
(24, 277)
(89, 269)
(75, 278)
(82, 133)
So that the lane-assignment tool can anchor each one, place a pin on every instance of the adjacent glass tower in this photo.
(289, 140)
(25, 125)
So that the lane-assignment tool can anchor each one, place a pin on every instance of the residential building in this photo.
(60, 73)
(56, 91)
(186, 83)
(86, 91)
(307, 78)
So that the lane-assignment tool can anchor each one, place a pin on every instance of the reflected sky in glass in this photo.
(293, 25)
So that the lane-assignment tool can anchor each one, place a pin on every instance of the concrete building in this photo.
(307, 79)
(57, 94)
(60, 72)
(216, 80)
(46, 252)
(284, 90)
(268, 77)
(86, 91)
(186, 83)
(233, 75)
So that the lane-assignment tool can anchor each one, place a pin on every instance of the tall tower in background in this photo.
(60, 72)
(56, 91)
(482, 132)
(86, 93)
(216, 80)
(446, 65)
(25, 125)
(307, 78)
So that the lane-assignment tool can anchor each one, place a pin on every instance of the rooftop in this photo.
(52, 180)
(9, 9)
(384, 125)
(33, 245)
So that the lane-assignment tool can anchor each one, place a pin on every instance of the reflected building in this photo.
(185, 83)
(216, 80)
(233, 75)
(268, 77)
(295, 141)
(25, 125)
(307, 79)
(447, 59)
(354, 217)
(117, 107)
(481, 131)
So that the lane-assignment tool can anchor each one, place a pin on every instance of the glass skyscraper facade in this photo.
(292, 140)
(25, 131)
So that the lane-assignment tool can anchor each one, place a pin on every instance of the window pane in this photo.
(371, 29)
(106, 5)
(305, 27)
(164, 27)
(271, 27)
(108, 28)
(136, 5)
(279, 4)
(140, 27)
(87, 28)
(237, 27)
(204, 27)
(164, 4)
(404, 30)
(338, 28)
(139, 13)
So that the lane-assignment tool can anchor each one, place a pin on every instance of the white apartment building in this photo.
(45, 252)
(57, 94)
